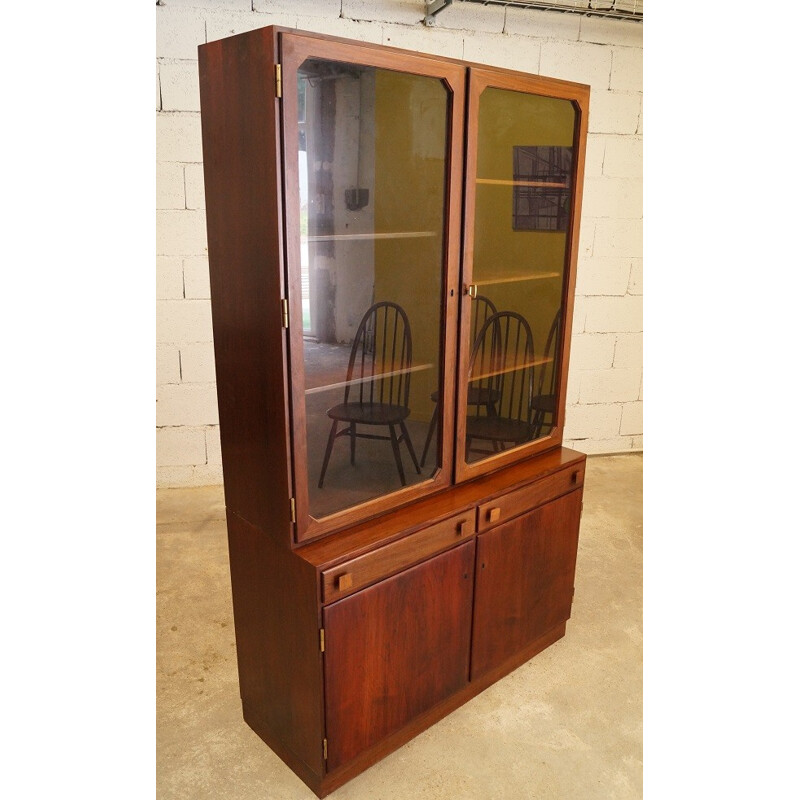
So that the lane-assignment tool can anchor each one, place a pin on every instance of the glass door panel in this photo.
(369, 148)
(521, 179)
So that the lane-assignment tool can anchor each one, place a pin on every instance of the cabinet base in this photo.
(333, 780)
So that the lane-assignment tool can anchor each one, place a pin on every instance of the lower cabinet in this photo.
(524, 581)
(411, 641)
(352, 645)
(395, 650)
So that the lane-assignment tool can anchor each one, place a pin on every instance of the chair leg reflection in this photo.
(395, 440)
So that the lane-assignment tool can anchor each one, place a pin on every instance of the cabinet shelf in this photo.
(355, 381)
(517, 278)
(540, 184)
(492, 373)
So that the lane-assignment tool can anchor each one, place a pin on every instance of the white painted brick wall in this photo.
(169, 278)
(614, 112)
(186, 404)
(183, 321)
(196, 278)
(424, 39)
(604, 393)
(179, 138)
(603, 276)
(520, 22)
(170, 186)
(182, 445)
(632, 419)
(494, 49)
(168, 363)
(197, 363)
(622, 157)
(195, 187)
(180, 232)
(628, 350)
(180, 86)
(592, 351)
(609, 386)
(582, 63)
(469, 17)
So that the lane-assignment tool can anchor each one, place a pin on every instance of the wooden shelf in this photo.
(541, 184)
(535, 362)
(516, 278)
(367, 379)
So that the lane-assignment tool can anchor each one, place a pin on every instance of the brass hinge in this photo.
(292, 509)
(278, 81)
(285, 312)
(324, 749)
(322, 640)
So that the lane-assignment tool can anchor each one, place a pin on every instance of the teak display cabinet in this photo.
(392, 243)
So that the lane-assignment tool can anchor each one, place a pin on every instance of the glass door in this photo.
(371, 201)
(524, 172)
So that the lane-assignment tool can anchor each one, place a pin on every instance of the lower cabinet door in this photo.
(525, 572)
(396, 649)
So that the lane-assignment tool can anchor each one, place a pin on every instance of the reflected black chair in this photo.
(482, 309)
(377, 384)
(502, 368)
(544, 400)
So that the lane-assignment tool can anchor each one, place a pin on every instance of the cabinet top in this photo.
(375, 532)
(274, 31)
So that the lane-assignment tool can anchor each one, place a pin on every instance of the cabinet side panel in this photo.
(525, 575)
(395, 650)
(241, 156)
(277, 643)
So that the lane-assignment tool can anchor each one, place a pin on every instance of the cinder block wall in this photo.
(604, 398)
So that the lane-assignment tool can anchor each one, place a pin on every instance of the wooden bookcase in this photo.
(392, 243)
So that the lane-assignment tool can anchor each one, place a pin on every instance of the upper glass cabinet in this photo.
(369, 194)
(523, 155)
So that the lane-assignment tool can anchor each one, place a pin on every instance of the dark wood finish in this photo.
(395, 650)
(295, 49)
(274, 601)
(335, 549)
(335, 778)
(524, 581)
(411, 630)
(481, 78)
(241, 163)
(510, 505)
(365, 569)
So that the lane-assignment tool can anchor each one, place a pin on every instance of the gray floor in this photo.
(566, 725)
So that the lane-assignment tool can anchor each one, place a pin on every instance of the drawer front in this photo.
(510, 505)
(359, 572)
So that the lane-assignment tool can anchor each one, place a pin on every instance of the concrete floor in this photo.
(567, 725)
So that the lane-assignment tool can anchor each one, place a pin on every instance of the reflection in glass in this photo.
(371, 150)
(523, 194)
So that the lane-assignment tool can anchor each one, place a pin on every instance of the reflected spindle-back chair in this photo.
(502, 367)
(377, 384)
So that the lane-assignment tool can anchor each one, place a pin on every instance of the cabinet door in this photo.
(524, 174)
(395, 650)
(525, 572)
(372, 166)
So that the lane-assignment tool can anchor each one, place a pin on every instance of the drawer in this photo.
(502, 508)
(346, 578)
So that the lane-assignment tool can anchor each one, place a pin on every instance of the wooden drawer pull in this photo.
(493, 514)
(462, 527)
(575, 477)
(344, 582)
